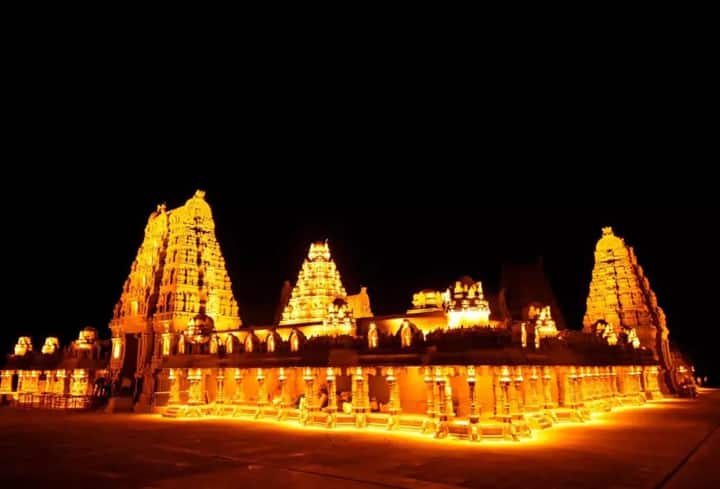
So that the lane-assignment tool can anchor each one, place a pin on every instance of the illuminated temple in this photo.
(459, 362)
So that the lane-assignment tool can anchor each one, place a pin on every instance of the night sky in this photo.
(67, 270)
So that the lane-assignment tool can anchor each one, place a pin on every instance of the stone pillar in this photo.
(48, 387)
(79, 382)
(573, 384)
(394, 401)
(505, 381)
(60, 376)
(533, 403)
(473, 433)
(283, 394)
(332, 397)
(653, 385)
(474, 405)
(518, 390)
(239, 395)
(547, 391)
(174, 378)
(585, 382)
(429, 423)
(360, 401)
(262, 400)
(220, 380)
(309, 404)
(194, 377)
(443, 389)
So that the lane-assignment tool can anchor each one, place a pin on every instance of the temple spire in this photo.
(620, 295)
(318, 285)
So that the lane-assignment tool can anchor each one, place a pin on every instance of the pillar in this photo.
(60, 382)
(547, 392)
(505, 381)
(282, 379)
(239, 395)
(429, 423)
(332, 397)
(573, 381)
(194, 376)
(443, 405)
(262, 400)
(174, 378)
(360, 400)
(533, 404)
(394, 401)
(474, 405)
(79, 381)
(47, 387)
(309, 404)
(220, 380)
(473, 433)
(519, 393)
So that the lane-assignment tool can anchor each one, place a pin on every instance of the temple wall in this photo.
(413, 395)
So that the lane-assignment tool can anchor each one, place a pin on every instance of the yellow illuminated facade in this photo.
(466, 305)
(23, 346)
(50, 346)
(620, 296)
(318, 285)
(443, 369)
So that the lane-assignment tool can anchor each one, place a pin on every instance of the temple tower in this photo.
(620, 294)
(318, 285)
(178, 275)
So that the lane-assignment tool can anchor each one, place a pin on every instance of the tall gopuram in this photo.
(620, 295)
(177, 281)
(318, 286)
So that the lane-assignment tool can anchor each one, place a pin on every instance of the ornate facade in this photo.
(620, 298)
(456, 364)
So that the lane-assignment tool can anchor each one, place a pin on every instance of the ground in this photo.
(671, 444)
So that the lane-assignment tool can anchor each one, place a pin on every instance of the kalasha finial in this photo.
(607, 231)
(200, 194)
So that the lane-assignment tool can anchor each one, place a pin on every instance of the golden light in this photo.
(50, 346)
(116, 347)
(23, 346)
(466, 305)
(318, 285)
(372, 336)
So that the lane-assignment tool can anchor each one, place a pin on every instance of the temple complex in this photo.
(458, 363)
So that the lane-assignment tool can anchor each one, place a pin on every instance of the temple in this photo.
(622, 304)
(458, 363)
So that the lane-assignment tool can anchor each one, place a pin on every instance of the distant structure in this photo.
(458, 363)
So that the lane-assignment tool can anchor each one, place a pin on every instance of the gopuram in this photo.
(458, 363)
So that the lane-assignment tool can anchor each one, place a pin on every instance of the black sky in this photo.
(68, 266)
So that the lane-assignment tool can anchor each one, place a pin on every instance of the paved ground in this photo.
(672, 444)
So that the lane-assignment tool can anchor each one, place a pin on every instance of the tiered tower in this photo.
(466, 305)
(177, 278)
(620, 294)
(318, 285)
